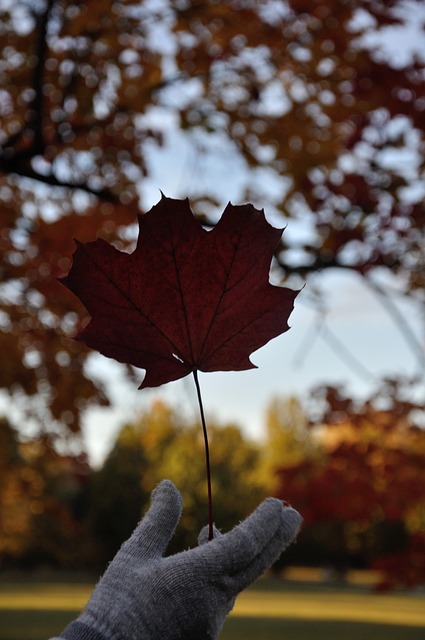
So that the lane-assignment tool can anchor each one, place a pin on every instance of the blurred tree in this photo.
(404, 567)
(162, 445)
(364, 498)
(43, 499)
(20, 490)
(59, 535)
(288, 439)
(117, 497)
(327, 126)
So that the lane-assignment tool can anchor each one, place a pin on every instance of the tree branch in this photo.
(38, 78)
(34, 116)
(23, 169)
(400, 321)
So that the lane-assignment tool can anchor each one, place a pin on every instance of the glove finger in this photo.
(251, 547)
(152, 535)
(204, 533)
(285, 534)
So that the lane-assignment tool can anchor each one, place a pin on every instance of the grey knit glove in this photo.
(144, 596)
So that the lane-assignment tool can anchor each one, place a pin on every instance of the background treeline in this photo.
(355, 471)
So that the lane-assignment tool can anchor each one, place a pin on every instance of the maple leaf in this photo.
(186, 299)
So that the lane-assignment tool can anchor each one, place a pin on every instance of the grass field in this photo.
(270, 610)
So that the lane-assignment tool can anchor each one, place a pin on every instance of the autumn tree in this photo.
(287, 440)
(363, 498)
(19, 488)
(117, 496)
(303, 94)
(43, 498)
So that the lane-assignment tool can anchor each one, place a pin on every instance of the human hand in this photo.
(146, 596)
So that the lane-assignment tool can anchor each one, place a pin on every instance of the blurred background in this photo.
(314, 111)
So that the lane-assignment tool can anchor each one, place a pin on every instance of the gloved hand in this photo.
(144, 596)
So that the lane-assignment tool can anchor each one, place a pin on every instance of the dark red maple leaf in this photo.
(186, 299)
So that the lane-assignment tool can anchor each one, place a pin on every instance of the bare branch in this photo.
(400, 321)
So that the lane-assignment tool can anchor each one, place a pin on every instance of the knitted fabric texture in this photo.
(146, 596)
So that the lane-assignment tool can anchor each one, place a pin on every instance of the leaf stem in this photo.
(207, 456)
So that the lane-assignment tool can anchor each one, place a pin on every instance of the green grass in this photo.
(270, 610)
